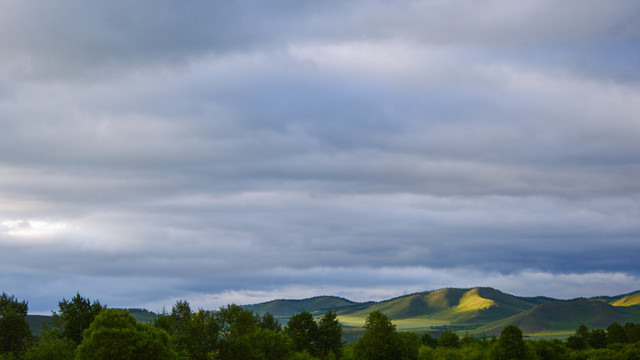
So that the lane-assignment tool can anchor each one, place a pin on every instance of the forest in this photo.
(83, 329)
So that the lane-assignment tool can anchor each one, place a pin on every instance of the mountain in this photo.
(566, 315)
(449, 305)
(142, 315)
(631, 299)
(477, 310)
(460, 306)
(316, 305)
(36, 322)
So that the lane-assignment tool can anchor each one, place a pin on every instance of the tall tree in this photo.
(597, 338)
(429, 340)
(303, 331)
(194, 334)
(75, 316)
(449, 339)
(409, 345)
(14, 329)
(236, 325)
(269, 345)
(633, 332)
(269, 322)
(203, 333)
(511, 343)
(380, 340)
(329, 336)
(616, 334)
(578, 341)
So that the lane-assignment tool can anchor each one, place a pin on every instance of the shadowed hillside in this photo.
(315, 305)
(566, 316)
(37, 321)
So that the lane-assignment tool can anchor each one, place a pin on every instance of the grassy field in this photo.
(413, 324)
(549, 335)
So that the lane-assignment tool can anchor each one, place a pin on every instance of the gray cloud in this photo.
(234, 152)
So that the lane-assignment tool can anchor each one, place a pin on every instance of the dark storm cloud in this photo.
(250, 150)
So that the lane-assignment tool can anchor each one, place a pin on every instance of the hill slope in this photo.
(632, 299)
(565, 316)
(36, 321)
(479, 310)
(460, 306)
(315, 305)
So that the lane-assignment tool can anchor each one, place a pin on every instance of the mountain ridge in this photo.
(480, 310)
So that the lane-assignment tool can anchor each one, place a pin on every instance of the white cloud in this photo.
(462, 143)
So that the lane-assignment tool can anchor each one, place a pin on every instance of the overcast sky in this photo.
(222, 152)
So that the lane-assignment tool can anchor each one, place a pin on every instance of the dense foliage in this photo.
(14, 329)
(116, 334)
(87, 330)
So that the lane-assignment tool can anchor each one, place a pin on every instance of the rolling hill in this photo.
(459, 306)
(36, 322)
(315, 305)
(632, 299)
(566, 315)
(477, 310)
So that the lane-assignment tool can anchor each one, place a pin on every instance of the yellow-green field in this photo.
(550, 335)
(401, 325)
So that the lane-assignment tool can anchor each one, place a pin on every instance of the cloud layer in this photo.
(241, 152)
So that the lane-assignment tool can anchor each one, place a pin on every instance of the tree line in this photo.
(83, 330)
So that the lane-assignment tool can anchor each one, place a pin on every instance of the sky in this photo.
(239, 152)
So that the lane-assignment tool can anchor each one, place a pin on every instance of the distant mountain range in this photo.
(477, 310)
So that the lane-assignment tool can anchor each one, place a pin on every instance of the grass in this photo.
(629, 300)
(549, 335)
(471, 301)
(413, 324)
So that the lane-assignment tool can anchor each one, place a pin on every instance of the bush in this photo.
(116, 334)
(51, 348)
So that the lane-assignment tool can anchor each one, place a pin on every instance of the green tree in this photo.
(449, 339)
(428, 340)
(511, 344)
(269, 322)
(236, 325)
(181, 320)
(269, 345)
(380, 340)
(303, 331)
(329, 336)
(203, 332)
(14, 329)
(409, 345)
(235, 321)
(75, 316)
(49, 347)
(578, 341)
(616, 334)
(116, 334)
(549, 349)
(633, 332)
(194, 334)
(597, 338)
